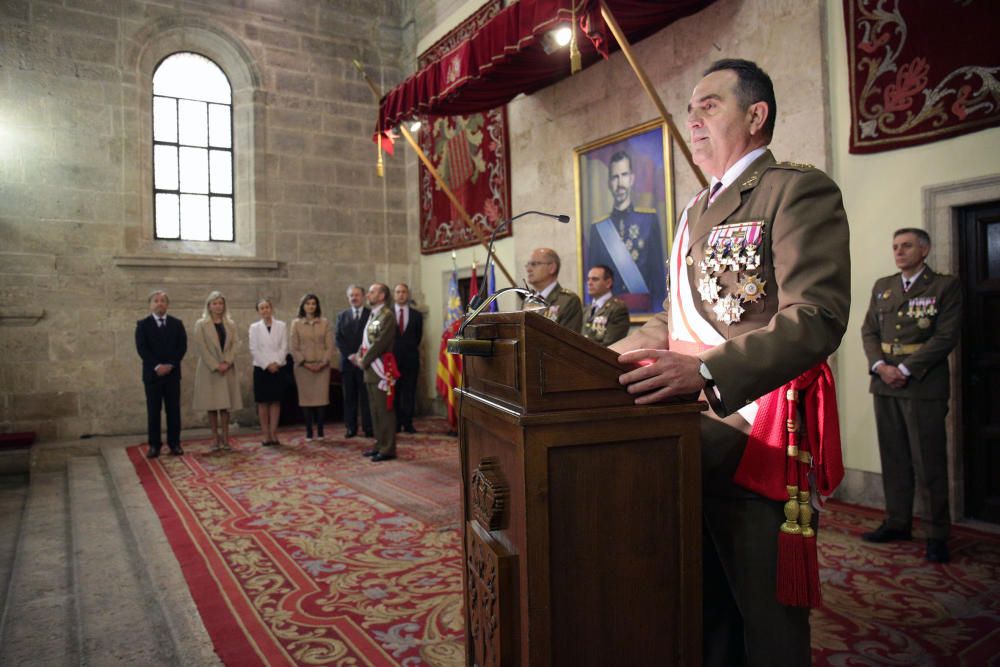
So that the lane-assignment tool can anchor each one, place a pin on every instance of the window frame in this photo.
(208, 148)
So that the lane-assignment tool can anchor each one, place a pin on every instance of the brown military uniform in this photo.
(381, 329)
(607, 324)
(564, 308)
(803, 262)
(918, 329)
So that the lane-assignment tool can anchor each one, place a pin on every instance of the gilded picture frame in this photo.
(625, 214)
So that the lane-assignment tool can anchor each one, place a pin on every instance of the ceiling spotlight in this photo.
(414, 125)
(563, 35)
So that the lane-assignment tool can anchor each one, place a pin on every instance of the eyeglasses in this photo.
(531, 265)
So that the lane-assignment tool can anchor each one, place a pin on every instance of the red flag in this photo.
(449, 373)
(387, 139)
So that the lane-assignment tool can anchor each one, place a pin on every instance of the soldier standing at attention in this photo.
(607, 316)
(911, 326)
(564, 307)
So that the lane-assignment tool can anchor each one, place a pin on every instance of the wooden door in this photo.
(979, 257)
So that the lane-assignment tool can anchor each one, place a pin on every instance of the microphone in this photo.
(481, 295)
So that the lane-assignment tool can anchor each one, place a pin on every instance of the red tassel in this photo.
(792, 588)
(812, 571)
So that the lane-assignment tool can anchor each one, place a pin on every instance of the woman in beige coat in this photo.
(311, 346)
(216, 387)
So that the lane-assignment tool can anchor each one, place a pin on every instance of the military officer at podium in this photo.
(606, 318)
(628, 240)
(912, 324)
(564, 307)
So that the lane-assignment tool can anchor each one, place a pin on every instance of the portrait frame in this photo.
(648, 148)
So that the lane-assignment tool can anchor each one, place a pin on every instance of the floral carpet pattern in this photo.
(309, 554)
(296, 556)
(883, 604)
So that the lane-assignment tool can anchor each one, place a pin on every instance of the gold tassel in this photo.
(379, 166)
(575, 60)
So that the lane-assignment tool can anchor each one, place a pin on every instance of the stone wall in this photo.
(77, 257)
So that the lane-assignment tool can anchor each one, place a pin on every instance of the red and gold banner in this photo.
(470, 153)
(920, 71)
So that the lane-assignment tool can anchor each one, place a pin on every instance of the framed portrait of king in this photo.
(625, 213)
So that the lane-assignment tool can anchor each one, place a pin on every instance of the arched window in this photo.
(192, 150)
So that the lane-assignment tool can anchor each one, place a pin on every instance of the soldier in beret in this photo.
(912, 324)
(564, 307)
(607, 316)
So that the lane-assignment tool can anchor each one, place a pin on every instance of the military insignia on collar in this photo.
(750, 182)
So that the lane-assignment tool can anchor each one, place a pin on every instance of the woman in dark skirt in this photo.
(268, 348)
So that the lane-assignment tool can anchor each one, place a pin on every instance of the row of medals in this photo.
(922, 309)
(730, 255)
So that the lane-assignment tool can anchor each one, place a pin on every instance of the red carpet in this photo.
(311, 554)
(290, 564)
(885, 605)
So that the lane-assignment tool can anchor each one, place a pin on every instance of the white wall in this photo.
(882, 192)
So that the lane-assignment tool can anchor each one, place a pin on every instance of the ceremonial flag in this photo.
(449, 373)
(454, 301)
(473, 284)
(491, 287)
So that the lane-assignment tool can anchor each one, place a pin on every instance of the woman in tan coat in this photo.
(216, 387)
(311, 346)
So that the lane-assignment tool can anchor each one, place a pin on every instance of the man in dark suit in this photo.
(913, 323)
(410, 322)
(760, 293)
(350, 328)
(161, 343)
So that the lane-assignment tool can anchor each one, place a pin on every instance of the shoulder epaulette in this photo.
(797, 166)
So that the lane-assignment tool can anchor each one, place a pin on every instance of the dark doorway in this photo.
(979, 257)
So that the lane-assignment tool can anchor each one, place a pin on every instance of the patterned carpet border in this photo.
(298, 555)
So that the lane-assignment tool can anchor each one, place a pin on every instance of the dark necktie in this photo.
(906, 284)
(356, 314)
(715, 190)
(402, 320)
(160, 321)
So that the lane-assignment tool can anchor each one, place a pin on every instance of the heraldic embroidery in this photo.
(734, 247)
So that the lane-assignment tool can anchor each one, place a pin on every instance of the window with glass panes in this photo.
(192, 150)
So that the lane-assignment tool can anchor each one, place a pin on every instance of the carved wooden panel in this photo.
(489, 492)
(491, 597)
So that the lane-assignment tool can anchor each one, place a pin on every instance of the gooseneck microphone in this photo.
(481, 295)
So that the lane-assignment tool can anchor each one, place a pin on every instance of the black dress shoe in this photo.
(176, 451)
(153, 453)
(409, 429)
(937, 551)
(886, 534)
(369, 452)
(351, 434)
(383, 457)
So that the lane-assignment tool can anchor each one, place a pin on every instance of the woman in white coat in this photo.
(268, 349)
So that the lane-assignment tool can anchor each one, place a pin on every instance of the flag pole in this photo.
(647, 85)
(437, 177)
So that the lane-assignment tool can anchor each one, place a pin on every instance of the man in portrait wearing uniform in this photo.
(912, 324)
(606, 318)
(376, 358)
(564, 307)
(759, 297)
(628, 240)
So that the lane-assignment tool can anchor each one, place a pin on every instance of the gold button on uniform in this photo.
(689, 260)
(899, 314)
(898, 327)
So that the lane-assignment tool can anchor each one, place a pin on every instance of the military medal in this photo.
(728, 309)
(552, 312)
(708, 288)
(733, 247)
(886, 294)
(751, 289)
(924, 322)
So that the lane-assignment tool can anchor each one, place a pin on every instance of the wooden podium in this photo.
(581, 510)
